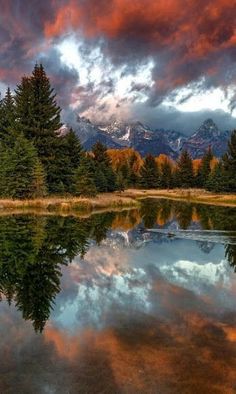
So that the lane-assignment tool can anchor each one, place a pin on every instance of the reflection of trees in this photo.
(165, 212)
(33, 249)
(220, 218)
(230, 254)
(183, 214)
(204, 217)
(149, 211)
(32, 252)
(209, 216)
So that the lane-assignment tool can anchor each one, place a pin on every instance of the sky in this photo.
(167, 63)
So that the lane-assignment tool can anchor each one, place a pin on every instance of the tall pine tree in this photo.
(84, 184)
(105, 178)
(184, 172)
(166, 178)
(205, 169)
(149, 174)
(43, 120)
(229, 165)
(17, 169)
(7, 118)
(24, 101)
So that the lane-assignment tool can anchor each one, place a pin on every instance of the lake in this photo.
(138, 301)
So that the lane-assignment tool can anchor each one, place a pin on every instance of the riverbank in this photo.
(188, 195)
(67, 205)
(130, 198)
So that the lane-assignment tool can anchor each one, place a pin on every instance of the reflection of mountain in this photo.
(206, 246)
(34, 249)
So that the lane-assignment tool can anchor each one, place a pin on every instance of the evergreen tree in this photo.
(39, 188)
(205, 169)
(216, 179)
(7, 119)
(67, 160)
(100, 153)
(23, 102)
(125, 173)
(229, 165)
(184, 171)
(17, 168)
(100, 179)
(132, 176)
(84, 184)
(74, 152)
(105, 177)
(149, 174)
(41, 122)
(166, 178)
(120, 180)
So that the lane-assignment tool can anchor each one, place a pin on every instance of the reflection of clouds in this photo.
(185, 272)
(111, 279)
(140, 352)
(130, 321)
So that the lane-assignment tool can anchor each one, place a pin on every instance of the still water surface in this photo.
(107, 305)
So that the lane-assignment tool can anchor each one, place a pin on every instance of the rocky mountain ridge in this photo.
(145, 140)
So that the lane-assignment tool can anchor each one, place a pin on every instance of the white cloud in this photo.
(212, 99)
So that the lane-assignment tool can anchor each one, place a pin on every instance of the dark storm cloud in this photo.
(185, 46)
(63, 78)
(21, 35)
(171, 119)
(22, 43)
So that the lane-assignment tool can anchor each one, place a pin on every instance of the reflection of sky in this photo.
(123, 279)
(130, 320)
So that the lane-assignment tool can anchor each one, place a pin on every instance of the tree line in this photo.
(218, 175)
(37, 159)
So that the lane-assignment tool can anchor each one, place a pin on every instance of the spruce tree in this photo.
(184, 171)
(121, 182)
(149, 174)
(166, 178)
(43, 120)
(100, 153)
(132, 176)
(23, 104)
(105, 177)
(71, 154)
(216, 179)
(17, 168)
(38, 187)
(84, 184)
(229, 165)
(7, 119)
(205, 168)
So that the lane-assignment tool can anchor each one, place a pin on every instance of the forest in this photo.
(37, 160)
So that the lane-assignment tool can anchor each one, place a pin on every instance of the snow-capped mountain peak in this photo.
(120, 134)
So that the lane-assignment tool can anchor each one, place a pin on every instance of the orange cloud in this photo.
(153, 354)
(188, 39)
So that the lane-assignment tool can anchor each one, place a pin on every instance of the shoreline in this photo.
(117, 201)
(198, 196)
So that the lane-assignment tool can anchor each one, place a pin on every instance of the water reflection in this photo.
(32, 252)
(34, 249)
(127, 311)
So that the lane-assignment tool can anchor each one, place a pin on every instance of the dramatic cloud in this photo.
(109, 57)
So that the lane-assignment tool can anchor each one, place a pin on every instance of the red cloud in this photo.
(187, 38)
(197, 26)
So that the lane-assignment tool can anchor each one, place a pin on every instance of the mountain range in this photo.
(146, 140)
